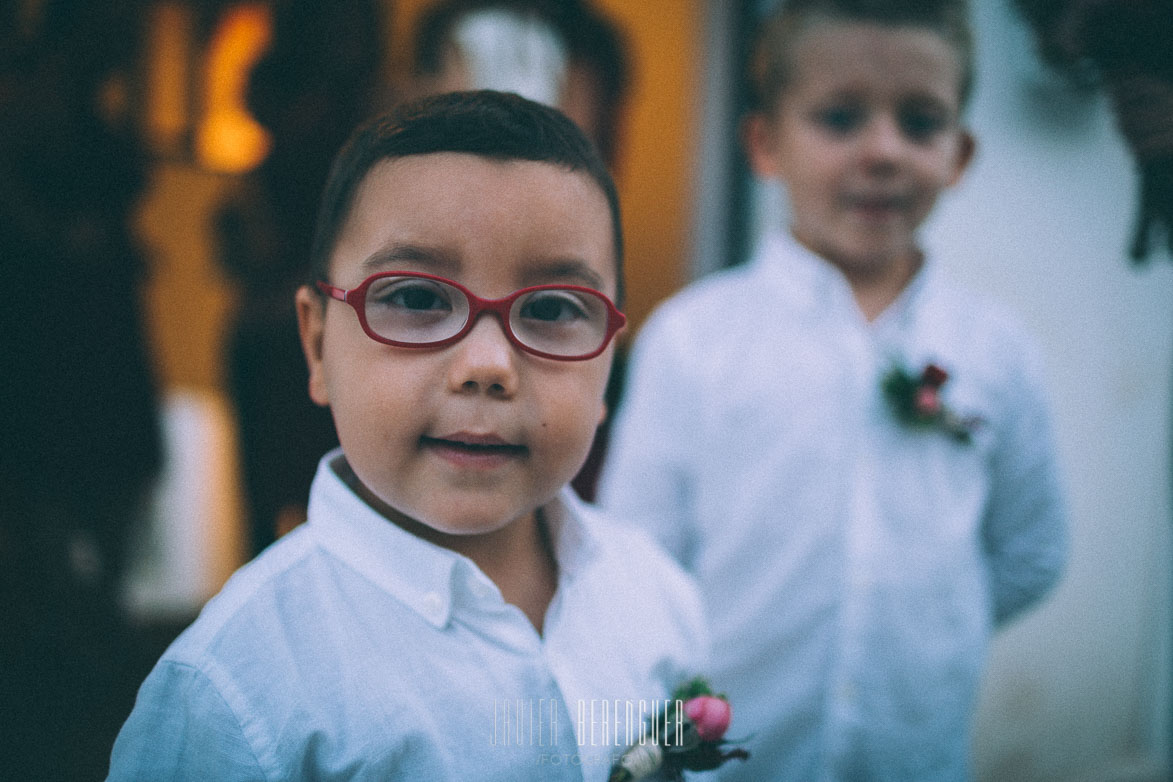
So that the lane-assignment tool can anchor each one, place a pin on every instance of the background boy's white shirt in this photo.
(353, 650)
(852, 568)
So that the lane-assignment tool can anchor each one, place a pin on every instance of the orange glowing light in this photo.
(229, 139)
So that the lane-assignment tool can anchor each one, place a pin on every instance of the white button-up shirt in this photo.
(852, 567)
(354, 650)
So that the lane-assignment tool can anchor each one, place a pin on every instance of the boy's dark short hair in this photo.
(495, 125)
(770, 64)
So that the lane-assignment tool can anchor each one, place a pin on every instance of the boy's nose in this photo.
(484, 361)
(883, 143)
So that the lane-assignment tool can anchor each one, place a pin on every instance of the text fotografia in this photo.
(595, 723)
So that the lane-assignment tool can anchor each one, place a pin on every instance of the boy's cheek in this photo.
(598, 385)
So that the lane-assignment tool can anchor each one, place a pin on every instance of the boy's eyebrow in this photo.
(396, 254)
(541, 272)
(566, 270)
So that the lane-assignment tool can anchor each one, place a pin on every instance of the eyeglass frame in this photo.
(356, 298)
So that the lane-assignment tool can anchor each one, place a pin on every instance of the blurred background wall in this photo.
(1078, 690)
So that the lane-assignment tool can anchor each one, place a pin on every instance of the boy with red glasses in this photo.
(450, 610)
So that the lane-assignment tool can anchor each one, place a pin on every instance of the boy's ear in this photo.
(758, 139)
(311, 322)
(966, 147)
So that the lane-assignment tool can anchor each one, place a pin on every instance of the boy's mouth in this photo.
(877, 205)
(473, 449)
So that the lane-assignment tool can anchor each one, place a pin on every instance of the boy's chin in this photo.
(875, 259)
(463, 518)
(455, 527)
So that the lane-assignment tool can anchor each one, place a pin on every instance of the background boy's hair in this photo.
(771, 64)
(495, 125)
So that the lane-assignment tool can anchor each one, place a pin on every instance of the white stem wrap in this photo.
(642, 760)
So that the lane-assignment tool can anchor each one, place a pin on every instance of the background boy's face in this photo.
(865, 137)
(406, 417)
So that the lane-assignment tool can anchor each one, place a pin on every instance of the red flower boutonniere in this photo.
(689, 735)
(916, 401)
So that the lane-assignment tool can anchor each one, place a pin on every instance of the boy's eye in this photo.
(415, 295)
(840, 120)
(920, 124)
(553, 307)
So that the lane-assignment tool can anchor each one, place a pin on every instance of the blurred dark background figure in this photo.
(599, 75)
(594, 73)
(1127, 47)
(319, 79)
(587, 76)
(79, 421)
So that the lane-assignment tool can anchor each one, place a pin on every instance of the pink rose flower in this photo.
(710, 714)
(928, 401)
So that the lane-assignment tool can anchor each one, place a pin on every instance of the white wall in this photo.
(1080, 688)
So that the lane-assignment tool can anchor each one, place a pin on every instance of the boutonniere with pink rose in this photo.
(688, 735)
(915, 399)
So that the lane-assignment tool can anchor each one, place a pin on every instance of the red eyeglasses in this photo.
(416, 310)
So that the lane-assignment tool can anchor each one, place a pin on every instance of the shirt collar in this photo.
(569, 521)
(810, 280)
(431, 580)
(804, 277)
(901, 313)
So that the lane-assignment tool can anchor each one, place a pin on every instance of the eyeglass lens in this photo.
(558, 321)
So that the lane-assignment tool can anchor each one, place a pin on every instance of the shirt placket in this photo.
(542, 719)
(566, 681)
(860, 546)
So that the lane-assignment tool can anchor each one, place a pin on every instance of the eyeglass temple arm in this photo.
(331, 291)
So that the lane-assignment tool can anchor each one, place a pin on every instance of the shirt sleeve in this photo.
(1025, 525)
(645, 479)
(181, 729)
